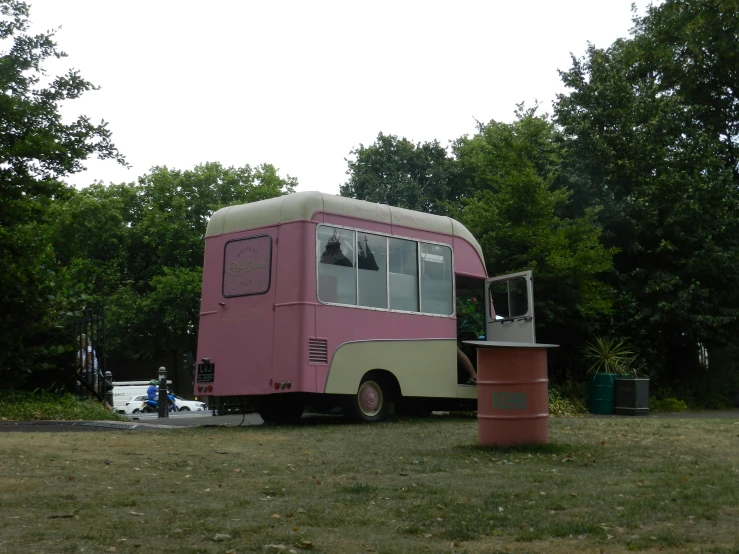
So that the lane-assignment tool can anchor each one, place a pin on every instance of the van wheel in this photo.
(371, 403)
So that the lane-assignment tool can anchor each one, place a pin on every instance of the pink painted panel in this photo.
(467, 261)
(236, 333)
(295, 304)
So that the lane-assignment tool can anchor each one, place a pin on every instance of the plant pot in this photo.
(631, 396)
(601, 394)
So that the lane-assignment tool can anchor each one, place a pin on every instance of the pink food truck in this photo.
(317, 301)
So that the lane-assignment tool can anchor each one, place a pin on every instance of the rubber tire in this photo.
(136, 411)
(371, 403)
(183, 409)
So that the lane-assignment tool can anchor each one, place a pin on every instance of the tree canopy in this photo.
(651, 129)
(37, 149)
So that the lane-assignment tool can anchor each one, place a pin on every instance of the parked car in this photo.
(133, 404)
(188, 405)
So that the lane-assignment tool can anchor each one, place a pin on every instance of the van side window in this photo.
(436, 279)
(357, 268)
(337, 279)
(372, 270)
(403, 275)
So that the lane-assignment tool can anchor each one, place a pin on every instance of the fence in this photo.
(88, 330)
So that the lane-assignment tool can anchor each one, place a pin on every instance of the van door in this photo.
(509, 302)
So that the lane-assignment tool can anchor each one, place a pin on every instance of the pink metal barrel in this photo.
(512, 395)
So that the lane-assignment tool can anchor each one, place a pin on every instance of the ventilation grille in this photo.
(317, 351)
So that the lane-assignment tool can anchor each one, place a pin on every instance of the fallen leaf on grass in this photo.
(427, 535)
(136, 513)
(112, 549)
(60, 516)
(276, 516)
(221, 537)
(302, 543)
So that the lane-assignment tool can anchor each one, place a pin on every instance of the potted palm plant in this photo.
(611, 358)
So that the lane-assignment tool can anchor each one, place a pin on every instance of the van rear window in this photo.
(247, 266)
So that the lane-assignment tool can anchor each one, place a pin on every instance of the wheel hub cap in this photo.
(370, 398)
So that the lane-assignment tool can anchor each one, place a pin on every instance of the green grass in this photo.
(616, 484)
(45, 405)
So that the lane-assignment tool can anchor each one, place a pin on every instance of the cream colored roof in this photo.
(302, 205)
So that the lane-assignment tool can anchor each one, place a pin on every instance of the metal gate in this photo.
(88, 330)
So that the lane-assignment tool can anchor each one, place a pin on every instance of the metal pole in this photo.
(163, 412)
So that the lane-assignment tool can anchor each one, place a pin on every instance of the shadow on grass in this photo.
(316, 419)
(549, 448)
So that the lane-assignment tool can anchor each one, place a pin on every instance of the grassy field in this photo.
(603, 484)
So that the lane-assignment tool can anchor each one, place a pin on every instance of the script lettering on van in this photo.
(246, 266)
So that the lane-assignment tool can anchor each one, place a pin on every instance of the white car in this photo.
(188, 405)
(135, 403)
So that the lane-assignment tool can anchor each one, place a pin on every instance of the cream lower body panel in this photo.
(422, 367)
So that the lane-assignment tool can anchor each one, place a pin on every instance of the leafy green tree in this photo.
(37, 149)
(399, 173)
(651, 127)
(517, 216)
(139, 248)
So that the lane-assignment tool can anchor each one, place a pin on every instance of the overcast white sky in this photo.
(299, 84)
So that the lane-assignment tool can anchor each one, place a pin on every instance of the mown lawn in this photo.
(603, 484)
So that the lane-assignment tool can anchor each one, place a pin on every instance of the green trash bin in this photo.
(601, 393)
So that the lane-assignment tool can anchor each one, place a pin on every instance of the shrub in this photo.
(667, 405)
(48, 405)
(565, 401)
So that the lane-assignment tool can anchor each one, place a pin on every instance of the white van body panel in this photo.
(123, 392)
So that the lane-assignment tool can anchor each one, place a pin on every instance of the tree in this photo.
(651, 127)
(37, 149)
(139, 248)
(399, 173)
(517, 214)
